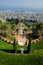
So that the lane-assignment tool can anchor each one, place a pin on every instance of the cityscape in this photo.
(21, 15)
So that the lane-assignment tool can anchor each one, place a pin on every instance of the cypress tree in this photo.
(29, 45)
(14, 45)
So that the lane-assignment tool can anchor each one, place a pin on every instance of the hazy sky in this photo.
(21, 3)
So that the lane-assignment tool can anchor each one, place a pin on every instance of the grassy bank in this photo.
(5, 45)
(37, 45)
(34, 46)
(19, 59)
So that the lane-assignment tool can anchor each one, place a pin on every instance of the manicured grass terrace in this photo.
(33, 58)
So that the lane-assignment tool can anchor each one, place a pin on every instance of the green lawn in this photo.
(33, 58)
(5, 45)
(19, 59)
(38, 45)
(19, 47)
(35, 46)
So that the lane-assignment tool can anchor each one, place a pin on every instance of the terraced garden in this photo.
(35, 57)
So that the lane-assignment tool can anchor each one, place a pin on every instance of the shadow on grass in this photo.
(12, 51)
(7, 50)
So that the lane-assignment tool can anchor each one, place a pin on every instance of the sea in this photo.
(23, 9)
